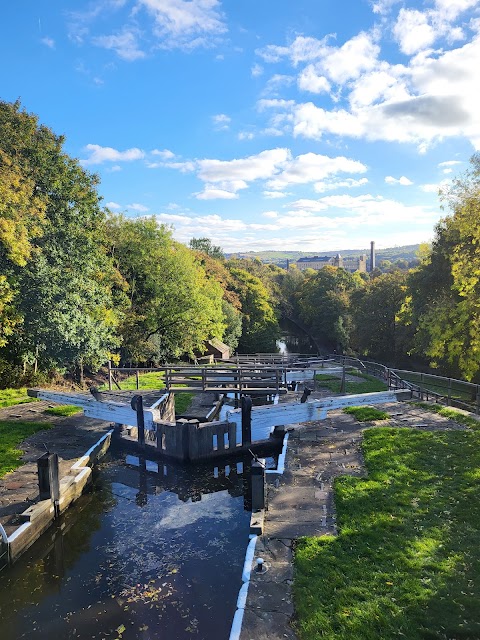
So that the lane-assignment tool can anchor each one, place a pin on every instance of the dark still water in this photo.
(153, 552)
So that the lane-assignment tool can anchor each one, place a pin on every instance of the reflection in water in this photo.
(294, 340)
(155, 551)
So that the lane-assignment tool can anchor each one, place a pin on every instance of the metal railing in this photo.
(424, 386)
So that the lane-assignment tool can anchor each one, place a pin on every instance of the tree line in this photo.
(424, 317)
(80, 285)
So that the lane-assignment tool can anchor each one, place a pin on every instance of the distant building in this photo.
(318, 262)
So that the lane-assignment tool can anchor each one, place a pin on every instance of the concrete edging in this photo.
(39, 517)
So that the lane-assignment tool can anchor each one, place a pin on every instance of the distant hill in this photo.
(407, 252)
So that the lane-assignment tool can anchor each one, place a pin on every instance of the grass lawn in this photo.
(63, 410)
(12, 432)
(152, 380)
(368, 384)
(9, 397)
(406, 562)
(366, 414)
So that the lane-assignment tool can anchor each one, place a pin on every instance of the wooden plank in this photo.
(108, 411)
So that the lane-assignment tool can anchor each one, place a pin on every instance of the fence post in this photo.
(258, 486)
(343, 383)
(449, 399)
(137, 405)
(137, 379)
(48, 479)
(109, 375)
(478, 400)
(246, 420)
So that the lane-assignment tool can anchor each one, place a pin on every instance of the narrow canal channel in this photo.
(154, 551)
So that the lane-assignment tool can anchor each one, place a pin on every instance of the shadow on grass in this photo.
(406, 563)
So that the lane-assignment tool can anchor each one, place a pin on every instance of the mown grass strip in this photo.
(448, 412)
(366, 414)
(10, 397)
(406, 562)
(368, 384)
(63, 410)
(12, 433)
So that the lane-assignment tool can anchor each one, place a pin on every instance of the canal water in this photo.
(154, 551)
(294, 340)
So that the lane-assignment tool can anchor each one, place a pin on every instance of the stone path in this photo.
(300, 503)
(70, 437)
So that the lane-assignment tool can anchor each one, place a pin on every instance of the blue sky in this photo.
(311, 125)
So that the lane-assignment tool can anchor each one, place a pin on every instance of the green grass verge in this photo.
(12, 433)
(368, 384)
(448, 412)
(10, 397)
(182, 402)
(154, 380)
(406, 563)
(63, 410)
(366, 414)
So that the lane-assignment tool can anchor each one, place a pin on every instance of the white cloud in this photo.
(309, 80)
(166, 154)
(405, 182)
(113, 205)
(270, 214)
(349, 183)
(246, 135)
(311, 167)
(413, 31)
(125, 45)
(221, 122)
(185, 23)
(434, 188)
(137, 207)
(48, 42)
(447, 171)
(260, 166)
(274, 194)
(99, 154)
(114, 168)
(449, 163)
(257, 70)
(302, 49)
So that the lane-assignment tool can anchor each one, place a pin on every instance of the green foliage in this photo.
(205, 246)
(323, 302)
(375, 308)
(63, 410)
(260, 326)
(56, 261)
(366, 414)
(12, 433)
(173, 306)
(445, 302)
(406, 562)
